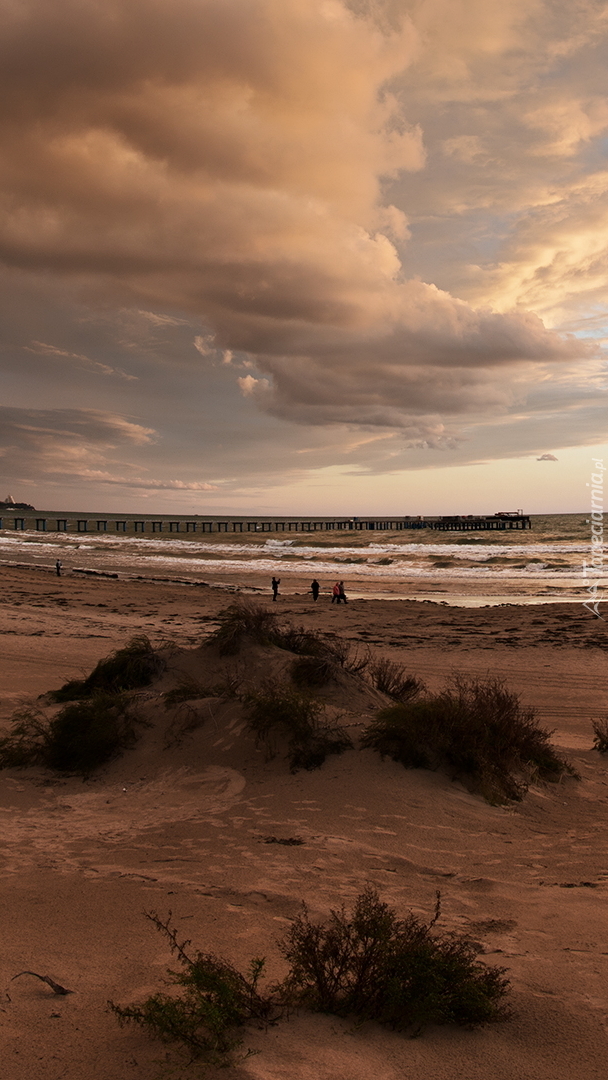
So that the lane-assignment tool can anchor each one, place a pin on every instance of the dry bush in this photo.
(244, 619)
(214, 1001)
(314, 670)
(393, 680)
(370, 965)
(600, 735)
(248, 620)
(125, 669)
(276, 714)
(476, 730)
(80, 738)
(400, 972)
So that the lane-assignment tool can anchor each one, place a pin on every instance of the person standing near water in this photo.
(275, 587)
(335, 594)
(58, 566)
(341, 593)
(314, 588)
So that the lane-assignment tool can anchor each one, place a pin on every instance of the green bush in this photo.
(80, 738)
(476, 730)
(600, 735)
(126, 669)
(215, 1000)
(277, 714)
(399, 972)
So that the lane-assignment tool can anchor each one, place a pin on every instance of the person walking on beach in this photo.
(275, 587)
(341, 593)
(335, 593)
(314, 588)
(58, 566)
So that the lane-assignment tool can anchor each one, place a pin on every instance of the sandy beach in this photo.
(182, 827)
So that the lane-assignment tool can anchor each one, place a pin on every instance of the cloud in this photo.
(547, 457)
(63, 442)
(137, 482)
(80, 446)
(40, 348)
(313, 222)
(230, 160)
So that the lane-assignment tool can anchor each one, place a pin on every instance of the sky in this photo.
(311, 256)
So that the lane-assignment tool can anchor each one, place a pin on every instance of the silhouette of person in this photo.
(58, 566)
(314, 588)
(341, 593)
(275, 587)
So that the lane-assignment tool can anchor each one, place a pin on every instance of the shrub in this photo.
(191, 690)
(26, 743)
(391, 679)
(215, 1000)
(80, 738)
(314, 670)
(243, 619)
(188, 690)
(248, 619)
(477, 730)
(126, 669)
(600, 735)
(400, 972)
(188, 717)
(276, 714)
(297, 640)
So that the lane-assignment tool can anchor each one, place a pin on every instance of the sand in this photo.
(184, 828)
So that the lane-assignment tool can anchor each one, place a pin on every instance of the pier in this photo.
(190, 526)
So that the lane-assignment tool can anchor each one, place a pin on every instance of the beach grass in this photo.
(600, 735)
(81, 737)
(128, 668)
(476, 730)
(279, 715)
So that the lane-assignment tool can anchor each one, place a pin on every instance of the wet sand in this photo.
(183, 829)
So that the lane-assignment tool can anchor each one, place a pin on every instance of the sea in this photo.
(550, 562)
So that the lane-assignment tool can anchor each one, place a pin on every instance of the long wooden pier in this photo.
(191, 525)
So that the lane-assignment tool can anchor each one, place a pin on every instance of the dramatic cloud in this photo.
(228, 158)
(69, 443)
(345, 214)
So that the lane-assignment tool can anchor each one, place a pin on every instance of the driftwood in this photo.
(55, 986)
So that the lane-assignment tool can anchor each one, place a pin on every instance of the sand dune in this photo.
(183, 824)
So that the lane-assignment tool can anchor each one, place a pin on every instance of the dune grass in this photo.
(128, 668)
(279, 715)
(393, 680)
(476, 730)
(245, 619)
(83, 736)
(600, 735)
(251, 621)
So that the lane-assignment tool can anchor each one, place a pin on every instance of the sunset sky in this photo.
(303, 255)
